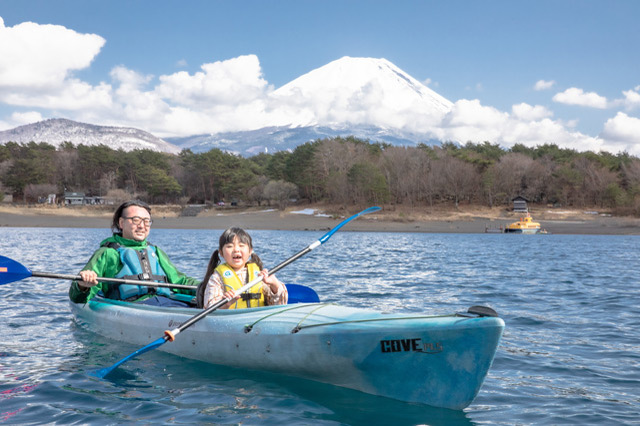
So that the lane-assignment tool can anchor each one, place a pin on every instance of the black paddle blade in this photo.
(482, 311)
(11, 271)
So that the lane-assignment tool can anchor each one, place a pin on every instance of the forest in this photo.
(342, 171)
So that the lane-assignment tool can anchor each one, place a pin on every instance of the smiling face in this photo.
(236, 253)
(130, 230)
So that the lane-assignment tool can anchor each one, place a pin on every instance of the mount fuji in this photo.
(365, 97)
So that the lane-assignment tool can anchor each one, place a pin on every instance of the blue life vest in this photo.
(137, 265)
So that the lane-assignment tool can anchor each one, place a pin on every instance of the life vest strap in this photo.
(250, 296)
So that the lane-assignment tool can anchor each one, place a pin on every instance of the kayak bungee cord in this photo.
(249, 327)
(170, 335)
(470, 314)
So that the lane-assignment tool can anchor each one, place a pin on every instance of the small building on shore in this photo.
(520, 204)
(73, 198)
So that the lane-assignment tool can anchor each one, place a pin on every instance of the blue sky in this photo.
(583, 56)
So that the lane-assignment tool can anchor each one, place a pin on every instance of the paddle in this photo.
(170, 335)
(11, 271)
(301, 294)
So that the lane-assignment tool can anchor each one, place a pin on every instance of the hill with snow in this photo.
(56, 131)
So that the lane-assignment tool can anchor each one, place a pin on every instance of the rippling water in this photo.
(570, 352)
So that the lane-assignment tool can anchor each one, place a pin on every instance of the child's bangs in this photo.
(231, 233)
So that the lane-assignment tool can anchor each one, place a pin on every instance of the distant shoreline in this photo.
(315, 218)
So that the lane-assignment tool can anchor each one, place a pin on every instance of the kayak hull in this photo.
(435, 360)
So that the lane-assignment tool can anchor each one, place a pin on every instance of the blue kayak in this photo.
(435, 360)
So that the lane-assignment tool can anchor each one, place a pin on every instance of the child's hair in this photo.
(227, 237)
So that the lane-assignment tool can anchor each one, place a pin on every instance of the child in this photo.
(240, 267)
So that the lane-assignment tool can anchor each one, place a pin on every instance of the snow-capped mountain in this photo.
(365, 97)
(56, 131)
(361, 91)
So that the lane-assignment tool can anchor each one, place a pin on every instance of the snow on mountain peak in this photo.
(363, 91)
(56, 131)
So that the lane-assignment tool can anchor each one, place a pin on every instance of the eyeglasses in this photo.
(136, 220)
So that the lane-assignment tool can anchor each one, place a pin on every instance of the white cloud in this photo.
(21, 118)
(543, 85)
(632, 98)
(525, 111)
(528, 125)
(622, 132)
(468, 120)
(576, 96)
(230, 82)
(73, 95)
(37, 64)
(34, 56)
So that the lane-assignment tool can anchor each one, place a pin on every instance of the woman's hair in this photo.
(227, 237)
(115, 223)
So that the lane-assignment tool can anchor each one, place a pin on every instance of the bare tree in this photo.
(280, 192)
(405, 169)
(332, 161)
(509, 174)
(256, 193)
(595, 181)
(631, 173)
(108, 181)
(538, 179)
(454, 178)
(66, 164)
(38, 192)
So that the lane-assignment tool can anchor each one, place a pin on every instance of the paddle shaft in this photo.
(112, 280)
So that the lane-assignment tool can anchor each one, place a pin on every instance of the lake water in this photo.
(570, 353)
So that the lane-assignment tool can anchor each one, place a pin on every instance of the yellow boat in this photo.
(525, 225)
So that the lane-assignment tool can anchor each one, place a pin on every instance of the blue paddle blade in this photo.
(11, 271)
(328, 235)
(104, 371)
(301, 294)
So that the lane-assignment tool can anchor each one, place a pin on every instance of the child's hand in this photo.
(271, 281)
(231, 296)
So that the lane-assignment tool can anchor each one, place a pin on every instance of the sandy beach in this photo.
(392, 219)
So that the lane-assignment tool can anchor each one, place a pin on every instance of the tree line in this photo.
(343, 171)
